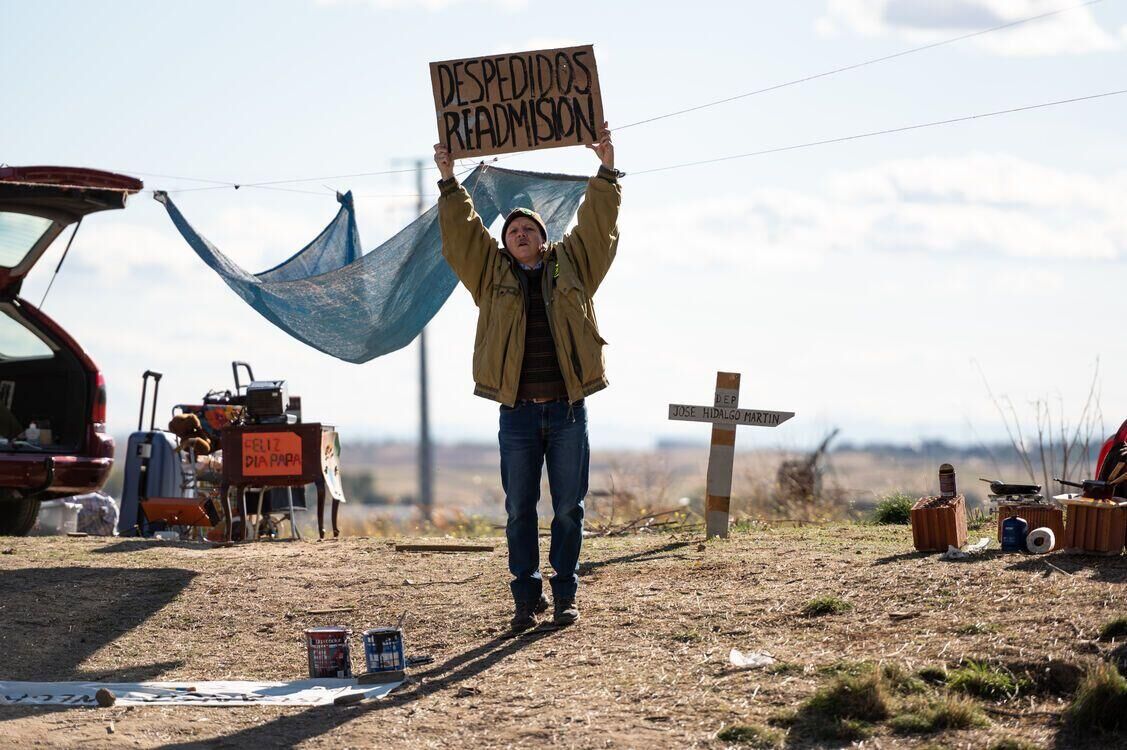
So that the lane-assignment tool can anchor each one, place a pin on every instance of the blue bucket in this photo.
(383, 650)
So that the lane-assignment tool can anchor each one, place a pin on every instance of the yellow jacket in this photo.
(574, 268)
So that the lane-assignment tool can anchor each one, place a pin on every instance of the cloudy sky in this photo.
(869, 285)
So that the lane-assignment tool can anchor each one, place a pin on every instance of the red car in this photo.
(53, 440)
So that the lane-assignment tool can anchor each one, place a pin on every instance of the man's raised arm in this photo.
(593, 241)
(466, 243)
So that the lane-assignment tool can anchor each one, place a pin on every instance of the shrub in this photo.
(750, 734)
(846, 668)
(826, 605)
(894, 509)
(950, 713)
(863, 698)
(901, 681)
(934, 675)
(985, 681)
(843, 710)
(687, 636)
(1118, 657)
(1114, 629)
(1101, 701)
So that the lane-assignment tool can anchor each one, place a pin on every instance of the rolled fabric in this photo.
(1040, 541)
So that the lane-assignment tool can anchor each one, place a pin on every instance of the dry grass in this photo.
(1008, 743)
(947, 713)
(628, 484)
(751, 735)
(646, 666)
(1101, 702)
(825, 605)
(984, 680)
(844, 710)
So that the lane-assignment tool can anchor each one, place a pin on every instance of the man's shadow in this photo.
(288, 730)
(646, 555)
(1106, 569)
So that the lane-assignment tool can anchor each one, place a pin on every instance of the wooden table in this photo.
(281, 455)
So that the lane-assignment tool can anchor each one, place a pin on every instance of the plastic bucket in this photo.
(383, 649)
(329, 653)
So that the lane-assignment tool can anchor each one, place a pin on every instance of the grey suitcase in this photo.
(152, 468)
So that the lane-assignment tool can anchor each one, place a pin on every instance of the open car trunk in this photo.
(42, 383)
(52, 397)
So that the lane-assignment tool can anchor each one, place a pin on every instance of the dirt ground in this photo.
(646, 666)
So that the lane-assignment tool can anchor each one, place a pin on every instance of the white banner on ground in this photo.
(204, 693)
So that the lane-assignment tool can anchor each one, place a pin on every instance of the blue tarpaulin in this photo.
(357, 306)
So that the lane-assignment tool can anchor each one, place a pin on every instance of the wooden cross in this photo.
(725, 415)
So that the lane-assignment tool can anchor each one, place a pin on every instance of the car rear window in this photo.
(19, 342)
(18, 234)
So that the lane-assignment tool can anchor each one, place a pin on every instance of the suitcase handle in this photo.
(235, 371)
(156, 376)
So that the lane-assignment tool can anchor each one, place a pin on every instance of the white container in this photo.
(57, 517)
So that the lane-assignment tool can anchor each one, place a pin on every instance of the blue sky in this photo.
(856, 284)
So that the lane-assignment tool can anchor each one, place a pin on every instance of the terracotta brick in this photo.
(934, 528)
(1096, 527)
(1038, 515)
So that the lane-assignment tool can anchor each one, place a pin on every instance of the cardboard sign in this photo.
(517, 102)
(271, 454)
(319, 692)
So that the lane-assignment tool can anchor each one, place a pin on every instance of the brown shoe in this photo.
(566, 612)
(524, 616)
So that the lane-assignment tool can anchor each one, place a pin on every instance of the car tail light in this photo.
(98, 415)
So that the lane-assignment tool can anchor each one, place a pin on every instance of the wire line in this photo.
(854, 66)
(887, 131)
(272, 184)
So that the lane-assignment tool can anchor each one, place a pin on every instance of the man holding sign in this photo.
(538, 351)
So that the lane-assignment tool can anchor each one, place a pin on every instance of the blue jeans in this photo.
(531, 433)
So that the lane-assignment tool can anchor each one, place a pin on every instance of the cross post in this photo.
(725, 415)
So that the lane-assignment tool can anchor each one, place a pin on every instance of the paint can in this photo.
(329, 653)
(947, 481)
(383, 650)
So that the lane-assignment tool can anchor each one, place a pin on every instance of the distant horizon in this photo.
(920, 447)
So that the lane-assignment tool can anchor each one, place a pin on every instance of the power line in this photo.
(219, 183)
(236, 186)
(887, 131)
(762, 152)
(854, 66)
(274, 183)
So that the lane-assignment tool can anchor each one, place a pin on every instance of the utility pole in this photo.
(426, 462)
